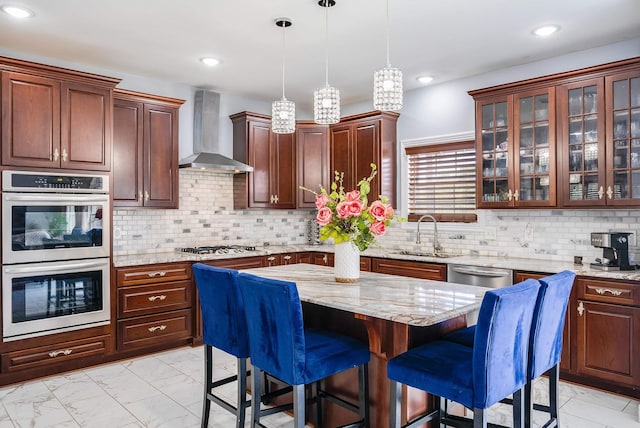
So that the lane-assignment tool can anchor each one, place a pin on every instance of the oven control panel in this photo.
(25, 181)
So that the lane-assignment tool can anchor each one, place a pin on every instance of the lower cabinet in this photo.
(154, 305)
(433, 271)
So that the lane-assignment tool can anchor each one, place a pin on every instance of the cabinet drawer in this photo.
(149, 299)
(54, 354)
(153, 274)
(154, 329)
(413, 269)
(608, 291)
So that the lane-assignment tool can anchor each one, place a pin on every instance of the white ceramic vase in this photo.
(346, 262)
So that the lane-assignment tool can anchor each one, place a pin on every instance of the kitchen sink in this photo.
(422, 254)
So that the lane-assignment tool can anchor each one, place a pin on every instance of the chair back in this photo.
(545, 347)
(276, 329)
(223, 320)
(502, 342)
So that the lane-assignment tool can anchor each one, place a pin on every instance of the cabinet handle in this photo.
(146, 195)
(287, 257)
(140, 196)
(609, 192)
(54, 354)
(602, 291)
(516, 195)
(325, 259)
(600, 192)
(160, 273)
(157, 327)
(64, 155)
(56, 154)
(276, 199)
(154, 298)
(580, 308)
(271, 199)
(510, 195)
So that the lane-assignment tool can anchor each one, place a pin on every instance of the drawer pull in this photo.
(157, 327)
(580, 308)
(154, 298)
(159, 273)
(54, 354)
(602, 291)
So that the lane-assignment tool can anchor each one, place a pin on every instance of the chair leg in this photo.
(256, 393)
(518, 409)
(298, 406)
(363, 394)
(395, 389)
(528, 404)
(554, 393)
(242, 392)
(316, 387)
(479, 418)
(208, 381)
(444, 411)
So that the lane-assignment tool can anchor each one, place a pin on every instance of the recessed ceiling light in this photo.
(545, 30)
(211, 62)
(17, 11)
(424, 79)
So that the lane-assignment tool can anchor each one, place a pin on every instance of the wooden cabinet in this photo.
(272, 184)
(567, 140)
(434, 271)
(357, 142)
(312, 148)
(608, 330)
(55, 118)
(154, 305)
(145, 148)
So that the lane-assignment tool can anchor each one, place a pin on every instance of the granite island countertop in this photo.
(521, 264)
(417, 302)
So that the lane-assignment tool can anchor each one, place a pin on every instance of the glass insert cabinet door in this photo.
(623, 139)
(493, 119)
(583, 144)
(534, 154)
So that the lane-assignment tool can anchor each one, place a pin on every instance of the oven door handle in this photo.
(57, 198)
(35, 268)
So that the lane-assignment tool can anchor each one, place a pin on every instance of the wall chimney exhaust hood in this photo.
(206, 154)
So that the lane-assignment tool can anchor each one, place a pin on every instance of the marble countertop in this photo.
(417, 302)
(521, 264)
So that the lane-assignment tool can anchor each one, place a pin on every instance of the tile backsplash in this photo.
(206, 217)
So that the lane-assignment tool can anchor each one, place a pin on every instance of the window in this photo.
(442, 181)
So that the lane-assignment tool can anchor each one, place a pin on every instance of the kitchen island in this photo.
(393, 313)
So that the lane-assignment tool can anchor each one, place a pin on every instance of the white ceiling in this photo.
(447, 39)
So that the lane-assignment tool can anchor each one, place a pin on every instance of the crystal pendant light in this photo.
(283, 111)
(387, 83)
(326, 100)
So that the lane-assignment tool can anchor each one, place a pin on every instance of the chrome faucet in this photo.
(436, 245)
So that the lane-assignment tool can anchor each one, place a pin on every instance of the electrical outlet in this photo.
(528, 232)
(491, 232)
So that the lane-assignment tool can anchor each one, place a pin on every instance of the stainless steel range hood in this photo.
(206, 153)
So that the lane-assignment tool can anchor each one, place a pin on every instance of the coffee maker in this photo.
(615, 251)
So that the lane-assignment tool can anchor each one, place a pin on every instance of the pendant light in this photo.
(283, 111)
(387, 83)
(326, 100)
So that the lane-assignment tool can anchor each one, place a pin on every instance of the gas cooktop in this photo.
(218, 249)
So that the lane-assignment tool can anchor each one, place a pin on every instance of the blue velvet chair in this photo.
(224, 328)
(283, 348)
(545, 344)
(475, 376)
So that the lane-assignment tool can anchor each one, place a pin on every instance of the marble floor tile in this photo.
(164, 390)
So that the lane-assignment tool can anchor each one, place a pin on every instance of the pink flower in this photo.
(324, 216)
(343, 209)
(378, 210)
(355, 208)
(378, 228)
(353, 195)
(389, 214)
(321, 201)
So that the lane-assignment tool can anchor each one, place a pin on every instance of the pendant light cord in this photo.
(388, 62)
(283, 28)
(326, 28)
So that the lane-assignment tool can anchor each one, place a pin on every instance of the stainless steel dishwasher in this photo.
(480, 276)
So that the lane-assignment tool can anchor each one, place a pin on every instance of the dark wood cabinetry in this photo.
(357, 142)
(433, 271)
(566, 140)
(272, 184)
(145, 147)
(312, 147)
(55, 118)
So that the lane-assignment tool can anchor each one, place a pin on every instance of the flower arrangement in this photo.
(348, 216)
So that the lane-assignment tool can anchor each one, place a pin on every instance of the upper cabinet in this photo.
(55, 118)
(145, 150)
(272, 184)
(312, 148)
(568, 140)
(357, 142)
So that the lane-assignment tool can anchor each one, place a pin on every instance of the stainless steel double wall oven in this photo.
(55, 253)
